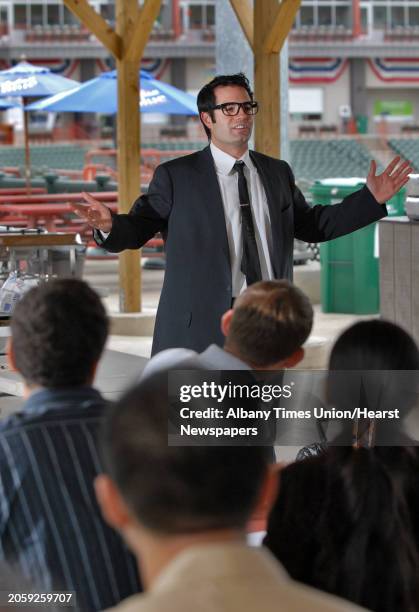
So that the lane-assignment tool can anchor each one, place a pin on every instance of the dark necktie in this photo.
(250, 265)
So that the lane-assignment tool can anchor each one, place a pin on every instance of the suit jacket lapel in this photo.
(211, 196)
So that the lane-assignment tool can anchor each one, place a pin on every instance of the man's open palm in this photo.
(384, 186)
(96, 214)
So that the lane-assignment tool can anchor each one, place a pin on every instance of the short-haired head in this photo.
(206, 99)
(271, 320)
(177, 489)
(59, 330)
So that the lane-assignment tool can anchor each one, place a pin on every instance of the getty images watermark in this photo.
(294, 408)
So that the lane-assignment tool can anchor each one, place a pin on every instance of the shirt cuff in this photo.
(100, 237)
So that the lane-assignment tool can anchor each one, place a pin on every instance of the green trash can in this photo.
(349, 275)
(361, 124)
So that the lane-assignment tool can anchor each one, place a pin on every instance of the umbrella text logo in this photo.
(151, 98)
(18, 85)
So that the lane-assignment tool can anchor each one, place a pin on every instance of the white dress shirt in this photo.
(228, 180)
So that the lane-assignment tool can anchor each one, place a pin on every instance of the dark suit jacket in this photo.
(184, 203)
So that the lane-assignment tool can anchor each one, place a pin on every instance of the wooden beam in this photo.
(281, 25)
(143, 25)
(128, 134)
(96, 24)
(244, 14)
(267, 125)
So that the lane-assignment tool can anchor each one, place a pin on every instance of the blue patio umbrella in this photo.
(24, 80)
(99, 95)
(28, 81)
(5, 104)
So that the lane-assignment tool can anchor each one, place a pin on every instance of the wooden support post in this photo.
(244, 14)
(267, 125)
(128, 131)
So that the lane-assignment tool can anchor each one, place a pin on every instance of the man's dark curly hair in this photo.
(59, 330)
(206, 97)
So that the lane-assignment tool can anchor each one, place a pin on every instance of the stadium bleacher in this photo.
(72, 156)
(313, 159)
(408, 148)
(50, 156)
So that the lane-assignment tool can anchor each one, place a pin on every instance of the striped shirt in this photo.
(50, 523)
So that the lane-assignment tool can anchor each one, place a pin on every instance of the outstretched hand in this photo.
(384, 186)
(96, 214)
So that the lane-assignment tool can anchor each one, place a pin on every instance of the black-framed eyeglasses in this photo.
(233, 108)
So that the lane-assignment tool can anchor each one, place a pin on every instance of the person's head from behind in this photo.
(268, 325)
(58, 332)
(359, 355)
(374, 345)
(226, 109)
(346, 522)
(156, 493)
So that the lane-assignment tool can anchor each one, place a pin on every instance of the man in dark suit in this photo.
(228, 217)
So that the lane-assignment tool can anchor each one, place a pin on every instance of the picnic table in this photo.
(21, 190)
(53, 210)
(46, 198)
(53, 216)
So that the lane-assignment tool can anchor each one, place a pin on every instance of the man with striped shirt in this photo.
(50, 524)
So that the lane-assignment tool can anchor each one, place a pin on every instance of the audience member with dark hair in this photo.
(183, 511)
(347, 522)
(50, 525)
(372, 346)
